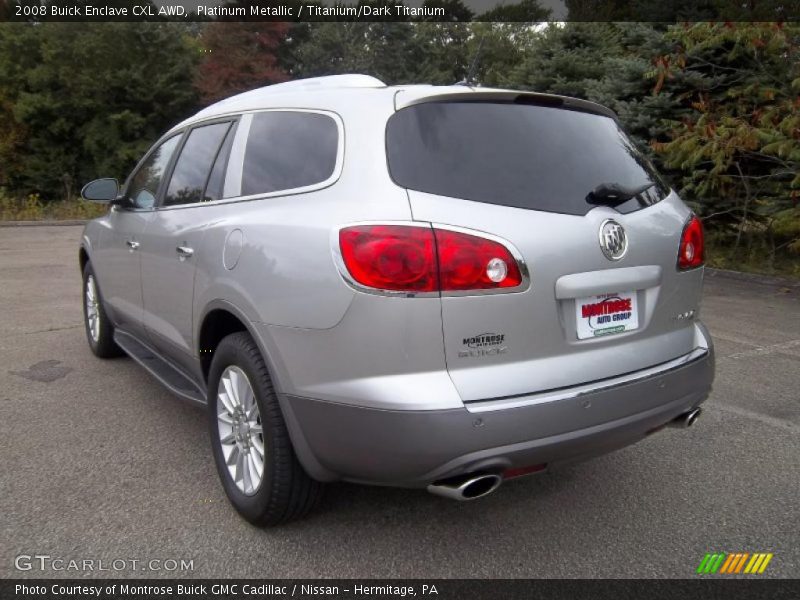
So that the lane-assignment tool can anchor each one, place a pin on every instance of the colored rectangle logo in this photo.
(734, 563)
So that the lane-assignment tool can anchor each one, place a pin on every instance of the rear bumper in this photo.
(413, 448)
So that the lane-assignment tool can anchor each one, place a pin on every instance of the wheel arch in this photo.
(84, 254)
(220, 313)
(83, 258)
(217, 323)
(219, 318)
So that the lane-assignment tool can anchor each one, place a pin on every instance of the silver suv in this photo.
(416, 286)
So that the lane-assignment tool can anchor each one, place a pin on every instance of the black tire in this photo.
(286, 491)
(103, 344)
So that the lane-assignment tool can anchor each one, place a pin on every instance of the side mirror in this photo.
(101, 190)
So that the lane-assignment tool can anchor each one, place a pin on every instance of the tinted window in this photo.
(519, 155)
(193, 166)
(143, 186)
(287, 150)
(216, 181)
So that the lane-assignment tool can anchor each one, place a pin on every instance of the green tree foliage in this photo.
(737, 143)
(392, 52)
(426, 52)
(336, 48)
(715, 105)
(526, 10)
(442, 52)
(88, 99)
(607, 63)
(679, 10)
(566, 59)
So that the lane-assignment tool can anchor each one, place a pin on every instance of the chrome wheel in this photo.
(92, 309)
(240, 432)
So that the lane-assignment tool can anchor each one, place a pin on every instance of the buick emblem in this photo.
(613, 241)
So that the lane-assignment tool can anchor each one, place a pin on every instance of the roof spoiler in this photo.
(411, 96)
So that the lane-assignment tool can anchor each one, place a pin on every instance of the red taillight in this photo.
(421, 259)
(691, 253)
(468, 262)
(391, 257)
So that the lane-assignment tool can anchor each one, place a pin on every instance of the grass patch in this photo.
(33, 208)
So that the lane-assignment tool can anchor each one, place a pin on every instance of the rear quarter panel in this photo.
(285, 274)
(325, 339)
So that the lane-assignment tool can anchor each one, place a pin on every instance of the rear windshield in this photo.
(521, 155)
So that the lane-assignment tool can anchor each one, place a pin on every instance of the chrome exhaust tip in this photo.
(685, 420)
(469, 487)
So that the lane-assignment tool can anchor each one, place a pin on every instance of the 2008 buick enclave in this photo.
(418, 286)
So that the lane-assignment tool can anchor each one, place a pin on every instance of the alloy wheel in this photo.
(92, 309)
(241, 434)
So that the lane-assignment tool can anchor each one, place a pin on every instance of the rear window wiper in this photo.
(612, 194)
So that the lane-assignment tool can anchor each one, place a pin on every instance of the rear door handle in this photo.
(184, 251)
(132, 244)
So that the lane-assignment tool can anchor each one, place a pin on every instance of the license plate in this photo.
(606, 314)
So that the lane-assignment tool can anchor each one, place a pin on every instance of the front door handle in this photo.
(132, 244)
(184, 251)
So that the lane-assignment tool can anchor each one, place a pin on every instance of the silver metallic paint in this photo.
(371, 386)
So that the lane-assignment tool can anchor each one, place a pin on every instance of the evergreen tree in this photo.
(89, 97)
(566, 59)
(440, 52)
(737, 143)
(524, 11)
(384, 50)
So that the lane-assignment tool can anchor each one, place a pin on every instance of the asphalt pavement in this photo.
(99, 462)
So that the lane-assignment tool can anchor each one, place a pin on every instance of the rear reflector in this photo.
(413, 259)
(521, 471)
(691, 253)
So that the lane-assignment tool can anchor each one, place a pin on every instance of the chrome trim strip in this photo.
(598, 385)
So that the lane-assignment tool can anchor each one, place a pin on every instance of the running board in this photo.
(164, 372)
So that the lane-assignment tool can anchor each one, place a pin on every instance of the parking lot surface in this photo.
(100, 462)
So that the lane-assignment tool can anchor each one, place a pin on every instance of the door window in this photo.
(143, 186)
(194, 165)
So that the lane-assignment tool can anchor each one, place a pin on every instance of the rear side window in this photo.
(520, 155)
(193, 167)
(288, 150)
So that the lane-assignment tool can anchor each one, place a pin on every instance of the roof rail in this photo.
(327, 82)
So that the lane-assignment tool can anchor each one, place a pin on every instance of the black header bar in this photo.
(400, 10)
